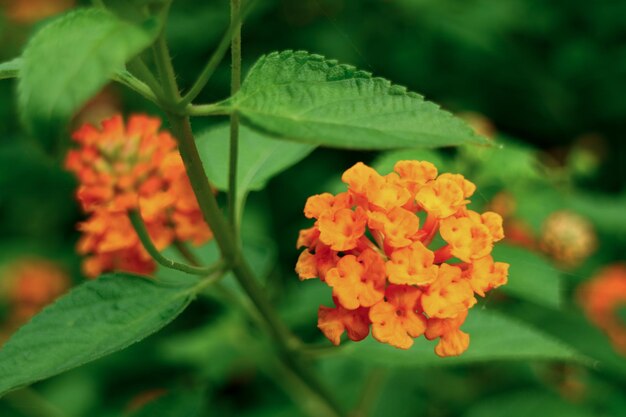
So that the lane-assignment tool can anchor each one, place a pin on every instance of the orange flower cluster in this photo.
(602, 297)
(132, 166)
(28, 286)
(30, 11)
(370, 245)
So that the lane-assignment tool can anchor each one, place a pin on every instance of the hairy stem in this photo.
(139, 69)
(285, 342)
(136, 85)
(144, 237)
(217, 109)
(186, 253)
(217, 56)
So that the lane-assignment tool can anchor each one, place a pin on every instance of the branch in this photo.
(144, 237)
(218, 55)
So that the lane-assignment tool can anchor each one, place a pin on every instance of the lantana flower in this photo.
(602, 297)
(373, 246)
(28, 285)
(131, 166)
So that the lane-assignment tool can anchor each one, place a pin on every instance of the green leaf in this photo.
(531, 277)
(10, 69)
(492, 337)
(70, 60)
(174, 404)
(574, 329)
(95, 319)
(307, 98)
(260, 158)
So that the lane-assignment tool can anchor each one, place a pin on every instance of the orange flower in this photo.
(314, 265)
(412, 265)
(360, 178)
(30, 11)
(449, 295)
(444, 196)
(484, 274)
(333, 322)
(602, 297)
(367, 245)
(342, 229)
(469, 240)
(398, 226)
(29, 285)
(110, 243)
(415, 174)
(452, 341)
(131, 166)
(398, 319)
(358, 282)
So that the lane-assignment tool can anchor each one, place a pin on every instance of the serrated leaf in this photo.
(10, 69)
(70, 60)
(304, 97)
(260, 157)
(531, 277)
(95, 319)
(493, 337)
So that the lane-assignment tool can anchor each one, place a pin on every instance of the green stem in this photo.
(285, 342)
(136, 85)
(218, 55)
(164, 66)
(186, 253)
(235, 84)
(217, 109)
(141, 71)
(144, 237)
(212, 280)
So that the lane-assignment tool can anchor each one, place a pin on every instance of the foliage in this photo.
(242, 326)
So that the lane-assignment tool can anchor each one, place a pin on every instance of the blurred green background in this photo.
(548, 79)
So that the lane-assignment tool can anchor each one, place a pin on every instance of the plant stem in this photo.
(235, 84)
(217, 56)
(217, 109)
(164, 66)
(186, 253)
(139, 68)
(144, 237)
(285, 342)
(136, 85)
